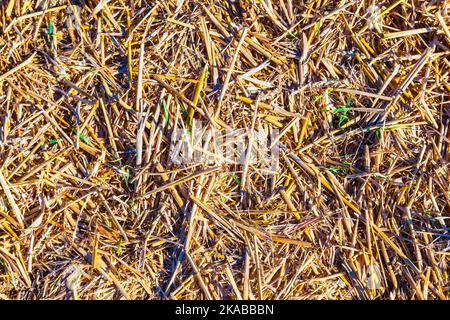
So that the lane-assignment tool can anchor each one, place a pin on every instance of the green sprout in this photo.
(184, 111)
(85, 139)
(126, 176)
(342, 120)
(236, 179)
(119, 247)
(53, 141)
(166, 114)
(428, 214)
(343, 170)
(335, 170)
(341, 110)
(52, 35)
(320, 96)
(317, 98)
(378, 133)
(343, 116)
(349, 100)
(317, 27)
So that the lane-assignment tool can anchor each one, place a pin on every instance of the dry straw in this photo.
(93, 92)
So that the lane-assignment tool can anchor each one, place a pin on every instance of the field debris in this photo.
(349, 198)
